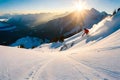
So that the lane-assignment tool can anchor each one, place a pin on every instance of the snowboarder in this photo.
(86, 31)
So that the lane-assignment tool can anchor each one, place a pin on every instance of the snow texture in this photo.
(96, 59)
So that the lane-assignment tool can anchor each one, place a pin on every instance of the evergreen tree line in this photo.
(115, 11)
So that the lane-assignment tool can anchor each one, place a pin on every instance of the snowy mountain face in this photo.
(93, 57)
(70, 24)
(93, 17)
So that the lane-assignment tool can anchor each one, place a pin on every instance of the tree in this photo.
(61, 39)
(118, 9)
(55, 39)
(21, 46)
(33, 47)
(114, 12)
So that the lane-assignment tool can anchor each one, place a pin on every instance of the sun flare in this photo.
(79, 5)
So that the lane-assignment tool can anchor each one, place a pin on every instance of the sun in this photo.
(79, 5)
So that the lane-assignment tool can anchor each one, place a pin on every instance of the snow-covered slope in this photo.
(96, 59)
(99, 31)
(90, 62)
(102, 55)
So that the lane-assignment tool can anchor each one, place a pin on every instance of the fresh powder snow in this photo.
(93, 57)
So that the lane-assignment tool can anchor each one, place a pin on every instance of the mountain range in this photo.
(47, 26)
(92, 57)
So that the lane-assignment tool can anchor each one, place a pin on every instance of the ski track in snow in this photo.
(37, 69)
(89, 71)
(63, 67)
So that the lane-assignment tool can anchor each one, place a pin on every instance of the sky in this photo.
(44, 6)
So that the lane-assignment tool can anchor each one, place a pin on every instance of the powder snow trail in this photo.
(62, 67)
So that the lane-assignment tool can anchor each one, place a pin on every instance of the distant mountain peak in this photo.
(93, 10)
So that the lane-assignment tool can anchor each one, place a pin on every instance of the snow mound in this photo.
(28, 42)
(3, 20)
